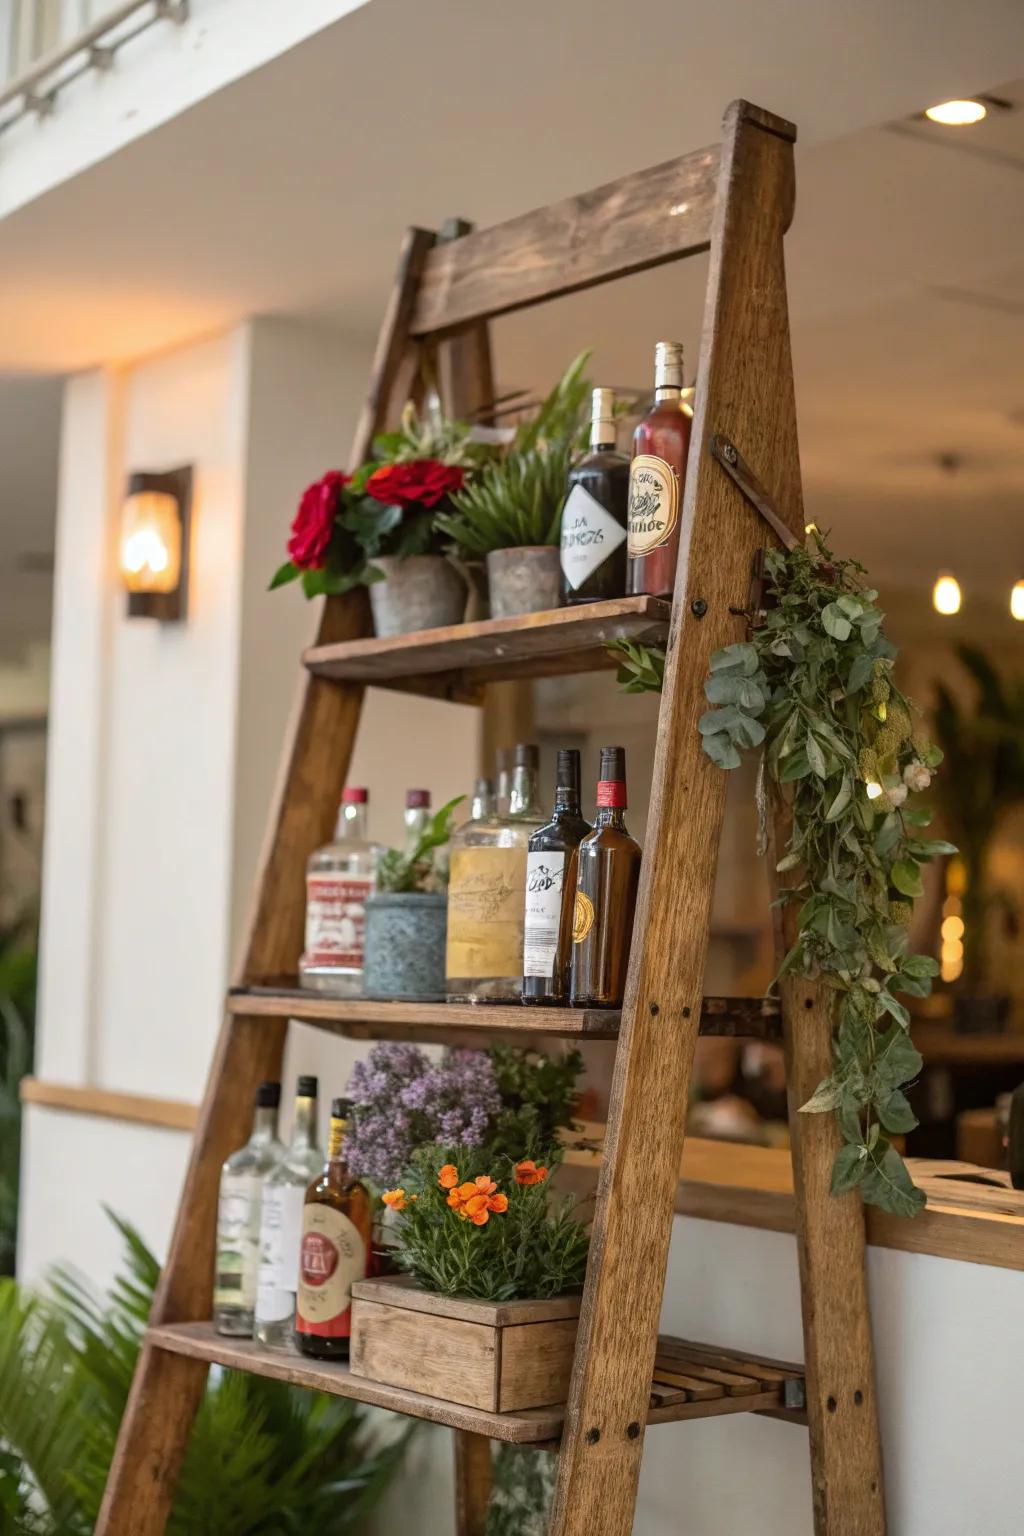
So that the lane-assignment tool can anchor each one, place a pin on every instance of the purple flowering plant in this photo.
(403, 1100)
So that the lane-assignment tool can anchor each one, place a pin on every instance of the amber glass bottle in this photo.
(551, 890)
(335, 1252)
(656, 473)
(607, 877)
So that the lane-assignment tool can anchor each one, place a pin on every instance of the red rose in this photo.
(421, 482)
(314, 521)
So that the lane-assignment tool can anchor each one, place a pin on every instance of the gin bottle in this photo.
(339, 877)
(284, 1191)
(238, 1218)
(486, 894)
(593, 537)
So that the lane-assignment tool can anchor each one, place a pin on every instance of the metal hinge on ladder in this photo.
(743, 477)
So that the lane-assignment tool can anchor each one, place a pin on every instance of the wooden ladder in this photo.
(736, 199)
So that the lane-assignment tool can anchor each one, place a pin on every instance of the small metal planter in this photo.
(405, 946)
(526, 580)
(420, 592)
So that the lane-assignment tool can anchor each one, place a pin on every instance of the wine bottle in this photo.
(551, 889)
(607, 876)
(335, 1251)
(593, 541)
(656, 473)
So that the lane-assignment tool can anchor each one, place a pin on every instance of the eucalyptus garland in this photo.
(813, 691)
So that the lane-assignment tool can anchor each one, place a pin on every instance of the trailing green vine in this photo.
(813, 691)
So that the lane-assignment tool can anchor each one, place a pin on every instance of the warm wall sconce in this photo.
(154, 543)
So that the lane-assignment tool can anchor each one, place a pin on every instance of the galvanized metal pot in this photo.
(420, 592)
(405, 946)
(526, 580)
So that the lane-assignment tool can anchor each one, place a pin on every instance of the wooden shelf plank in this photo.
(364, 1018)
(460, 658)
(763, 1393)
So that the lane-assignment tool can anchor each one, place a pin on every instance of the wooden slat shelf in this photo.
(691, 1381)
(461, 658)
(362, 1018)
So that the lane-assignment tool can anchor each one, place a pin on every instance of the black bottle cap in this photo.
(308, 1088)
(268, 1095)
(527, 755)
(503, 759)
(613, 764)
(567, 774)
(341, 1109)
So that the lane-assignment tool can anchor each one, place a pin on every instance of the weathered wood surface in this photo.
(140, 1108)
(402, 1291)
(625, 226)
(491, 647)
(165, 1395)
(472, 1483)
(744, 390)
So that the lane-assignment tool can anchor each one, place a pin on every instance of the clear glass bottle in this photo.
(339, 877)
(486, 894)
(417, 815)
(284, 1192)
(483, 804)
(335, 1250)
(238, 1218)
(593, 536)
(657, 472)
(503, 765)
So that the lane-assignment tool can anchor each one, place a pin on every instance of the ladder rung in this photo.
(364, 1018)
(699, 1397)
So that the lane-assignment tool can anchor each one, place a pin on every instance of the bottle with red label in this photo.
(607, 877)
(335, 1250)
(339, 877)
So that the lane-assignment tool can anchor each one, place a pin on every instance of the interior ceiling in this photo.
(288, 191)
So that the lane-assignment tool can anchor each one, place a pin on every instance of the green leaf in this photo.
(721, 750)
(888, 1185)
(906, 877)
(920, 965)
(894, 1111)
(795, 767)
(897, 1060)
(860, 673)
(835, 622)
(815, 757)
(742, 655)
(840, 802)
(714, 720)
(848, 1169)
(746, 731)
(826, 1096)
(894, 1009)
(851, 606)
(283, 575)
(930, 847)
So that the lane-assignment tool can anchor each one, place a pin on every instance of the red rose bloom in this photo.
(421, 482)
(314, 521)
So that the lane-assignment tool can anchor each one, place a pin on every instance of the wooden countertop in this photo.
(753, 1187)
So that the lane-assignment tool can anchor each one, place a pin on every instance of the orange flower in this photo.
(454, 1199)
(498, 1203)
(466, 1192)
(395, 1198)
(449, 1176)
(527, 1172)
(476, 1209)
(485, 1185)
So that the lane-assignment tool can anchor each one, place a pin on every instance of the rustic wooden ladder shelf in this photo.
(737, 200)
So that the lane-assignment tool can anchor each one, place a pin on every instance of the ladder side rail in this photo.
(167, 1389)
(744, 356)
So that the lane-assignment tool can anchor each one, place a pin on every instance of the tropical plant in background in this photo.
(813, 692)
(516, 500)
(983, 744)
(17, 1020)
(263, 1459)
(523, 1485)
(415, 869)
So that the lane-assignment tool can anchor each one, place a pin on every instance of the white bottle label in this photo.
(336, 920)
(280, 1240)
(653, 503)
(545, 873)
(238, 1241)
(589, 535)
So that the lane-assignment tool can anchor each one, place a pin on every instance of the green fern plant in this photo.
(263, 1459)
(516, 501)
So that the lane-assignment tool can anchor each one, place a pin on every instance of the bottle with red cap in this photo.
(607, 876)
(339, 877)
(417, 814)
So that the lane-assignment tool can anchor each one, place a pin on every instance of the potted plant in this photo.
(984, 748)
(379, 527)
(510, 514)
(406, 919)
(487, 1311)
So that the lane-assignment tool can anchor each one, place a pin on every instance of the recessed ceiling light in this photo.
(946, 594)
(957, 114)
(1017, 600)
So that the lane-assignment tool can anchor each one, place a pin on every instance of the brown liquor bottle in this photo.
(336, 1227)
(607, 876)
(656, 473)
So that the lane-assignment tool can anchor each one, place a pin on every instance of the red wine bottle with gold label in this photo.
(607, 876)
(660, 445)
(335, 1252)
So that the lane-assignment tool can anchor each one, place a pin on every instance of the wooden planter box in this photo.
(499, 1356)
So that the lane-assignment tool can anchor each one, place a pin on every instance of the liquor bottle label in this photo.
(238, 1242)
(611, 793)
(332, 1257)
(582, 917)
(545, 875)
(336, 920)
(653, 503)
(485, 912)
(280, 1238)
(589, 535)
